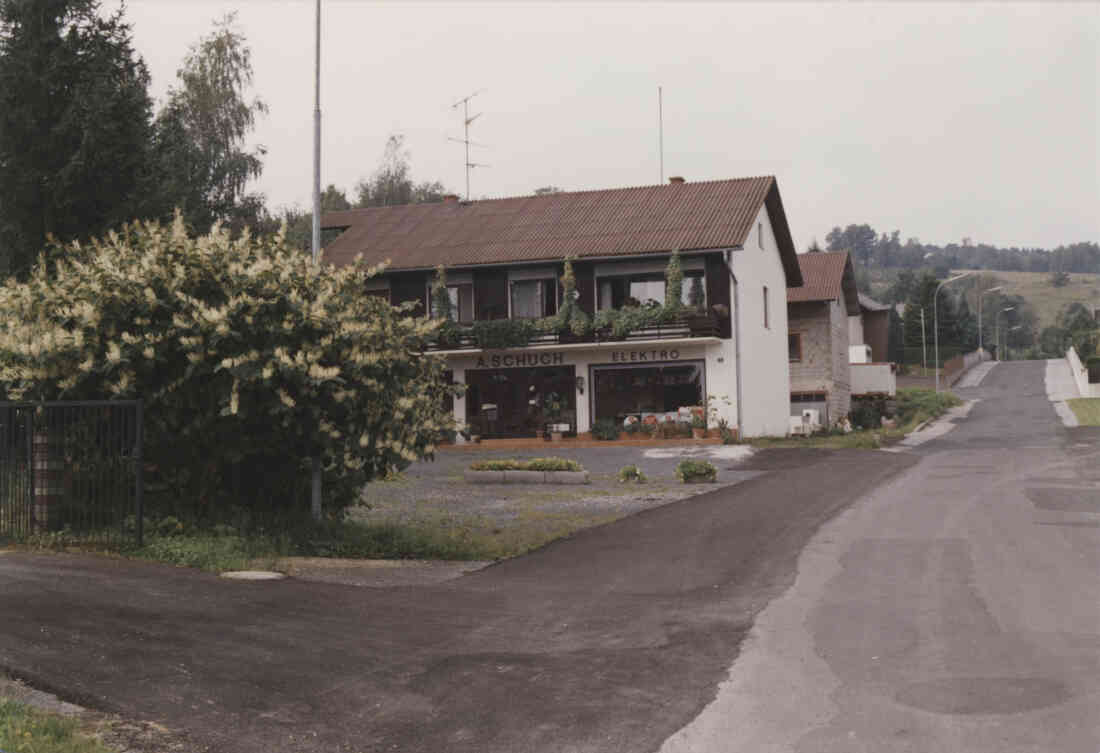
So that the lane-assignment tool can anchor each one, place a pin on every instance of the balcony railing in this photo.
(686, 325)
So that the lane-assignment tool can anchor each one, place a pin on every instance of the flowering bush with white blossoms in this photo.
(250, 359)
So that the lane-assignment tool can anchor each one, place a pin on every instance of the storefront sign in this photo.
(512, 360)
(637, 356)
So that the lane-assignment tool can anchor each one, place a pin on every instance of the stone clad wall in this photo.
(840, 396)
(814, 372)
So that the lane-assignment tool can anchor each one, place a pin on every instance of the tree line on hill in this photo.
(886, 250)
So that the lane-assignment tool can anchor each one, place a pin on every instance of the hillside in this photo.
(1035, 287)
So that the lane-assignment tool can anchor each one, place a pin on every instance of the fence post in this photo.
(139, 472)
(30, 470)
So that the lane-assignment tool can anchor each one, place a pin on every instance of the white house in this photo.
(505, 262)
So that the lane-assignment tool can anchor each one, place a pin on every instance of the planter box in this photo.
(566, 477)
(526, 477)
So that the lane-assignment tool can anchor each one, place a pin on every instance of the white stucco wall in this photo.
(765, 372)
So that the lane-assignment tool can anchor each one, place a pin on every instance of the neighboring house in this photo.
(868, 345)
(504, 261)
(817, 341)
(870, 329)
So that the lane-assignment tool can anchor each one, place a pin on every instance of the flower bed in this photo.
(534, 471)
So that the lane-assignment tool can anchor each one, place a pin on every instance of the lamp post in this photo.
(936, 322)
(315, 461)
(983, 293)
(1007, 332)
(997, 328)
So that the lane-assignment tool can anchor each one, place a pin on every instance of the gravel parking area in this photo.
(435, 493)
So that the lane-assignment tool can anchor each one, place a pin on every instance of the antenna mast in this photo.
(661, 132)
(466, 120)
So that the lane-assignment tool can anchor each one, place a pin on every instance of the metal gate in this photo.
(73, 467)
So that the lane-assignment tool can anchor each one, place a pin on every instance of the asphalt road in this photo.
(611, 640)
(956, 608)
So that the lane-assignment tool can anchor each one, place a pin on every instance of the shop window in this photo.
(794, 347)
(533, 299)
(646, 392)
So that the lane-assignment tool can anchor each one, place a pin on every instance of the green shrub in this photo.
(168, 526)
(728, 435)
(250, 359)
(534, 464)
(866, 414)
(673, 430)
(606, 429)
(916, 405)
(631, 473)
(689, 471)
(698, 422)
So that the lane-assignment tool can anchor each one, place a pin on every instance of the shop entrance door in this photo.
(513, 402)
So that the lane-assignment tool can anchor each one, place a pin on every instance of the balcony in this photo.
(874, 379)
(512, 333)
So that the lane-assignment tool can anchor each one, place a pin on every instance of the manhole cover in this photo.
(983, 695)
(253, 575)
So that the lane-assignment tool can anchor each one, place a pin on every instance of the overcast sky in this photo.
(943, 121)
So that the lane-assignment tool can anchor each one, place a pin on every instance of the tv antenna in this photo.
(466, 120)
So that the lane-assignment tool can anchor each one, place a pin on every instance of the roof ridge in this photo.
(567, 193)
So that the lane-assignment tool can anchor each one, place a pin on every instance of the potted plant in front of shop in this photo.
(698, 426)
(552, 407)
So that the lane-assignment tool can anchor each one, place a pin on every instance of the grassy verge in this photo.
(1087, 410)
(26, 730)
(428, 535)
(914, 407)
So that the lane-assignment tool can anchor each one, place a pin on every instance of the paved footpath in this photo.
(956, 608)
(611, 640)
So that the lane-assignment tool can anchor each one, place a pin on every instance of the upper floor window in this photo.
(640, 289)
(767, 319)
(532, 298)
(462, 302)
(760, 234)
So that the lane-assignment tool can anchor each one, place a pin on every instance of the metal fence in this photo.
(72, 467)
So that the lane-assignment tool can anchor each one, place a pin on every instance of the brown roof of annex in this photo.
(613, 222)
(824, 277)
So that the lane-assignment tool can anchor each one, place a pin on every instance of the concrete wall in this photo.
(1081, 375)
(874, 379)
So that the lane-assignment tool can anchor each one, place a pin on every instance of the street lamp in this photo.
(936, 322)
(983, 293)
(1007, 333)
(997, 328)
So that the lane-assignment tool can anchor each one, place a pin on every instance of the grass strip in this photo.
(1087, 410)
(915, 405)
(27, 730)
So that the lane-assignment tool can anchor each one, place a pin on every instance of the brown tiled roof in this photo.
(613, 222)
(824, 277)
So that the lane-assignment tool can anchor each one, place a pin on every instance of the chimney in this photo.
(450, 198)
(675, 179)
